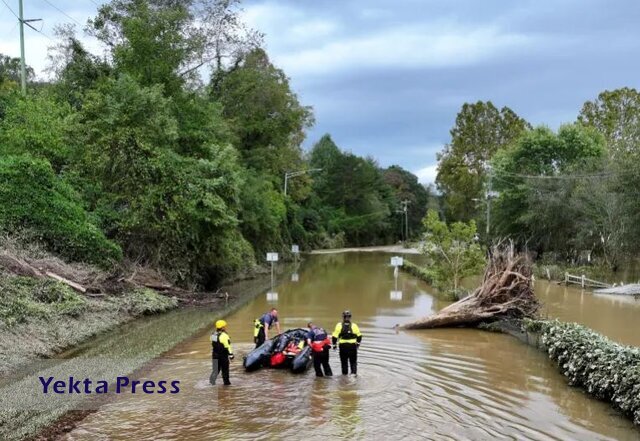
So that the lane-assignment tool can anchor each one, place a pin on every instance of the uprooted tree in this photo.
(505, 293)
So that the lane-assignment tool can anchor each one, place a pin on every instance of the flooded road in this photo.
(441, 384)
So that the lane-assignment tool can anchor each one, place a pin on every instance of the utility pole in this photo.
(405, 210)
(23, 66)
(289, 175)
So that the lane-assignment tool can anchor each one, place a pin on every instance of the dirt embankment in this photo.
(48, 305)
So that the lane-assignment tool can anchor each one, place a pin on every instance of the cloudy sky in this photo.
(386, 78)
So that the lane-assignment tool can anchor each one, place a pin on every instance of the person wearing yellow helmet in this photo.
(221, 353)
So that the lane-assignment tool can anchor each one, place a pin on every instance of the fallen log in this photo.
(67, 282)
(505, 293)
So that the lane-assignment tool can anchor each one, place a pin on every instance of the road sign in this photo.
(295, 249)
(397, 261)
(295, 277)
(272, 297)
(395, 295)
(272, 257)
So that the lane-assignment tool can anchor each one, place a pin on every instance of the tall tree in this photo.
(536, 181)
(616, 115)
(406, 187)
(10, 69)
(168, 41)
(267, 118)
(479, 132)
(353, 196)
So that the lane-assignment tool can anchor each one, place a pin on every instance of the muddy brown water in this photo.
(451, 384)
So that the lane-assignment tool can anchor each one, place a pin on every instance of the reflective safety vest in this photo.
(221, 344)
(259, 324)
(347, 332)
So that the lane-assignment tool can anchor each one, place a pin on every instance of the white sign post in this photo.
(395, 295)
(273, 258)
(396, 262)
(272, 297)
(295, 249)
(295, 277)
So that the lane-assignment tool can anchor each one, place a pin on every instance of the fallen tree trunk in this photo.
(67, 282)
(505, 293)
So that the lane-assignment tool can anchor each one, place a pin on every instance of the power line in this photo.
(62, 12)
(9, 8)
(518, 175)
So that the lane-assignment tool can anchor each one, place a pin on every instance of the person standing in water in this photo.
(348, 336)
(221, 353)
(320, 344)
(262, 326)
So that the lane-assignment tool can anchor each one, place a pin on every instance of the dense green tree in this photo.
(352, 192)
(616, 115)
(11, 71)
(479, 132)
(174, 211)
(75, 69)
(406, 187)
(35, 125)
(536, 180)
(267, 119)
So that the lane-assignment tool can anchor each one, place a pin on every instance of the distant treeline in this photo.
(132, 155)
(568, 195)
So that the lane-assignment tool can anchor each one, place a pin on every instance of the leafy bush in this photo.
(428, 276)
(35, 125)
(22, 298)
(34, 199)
(607, 370)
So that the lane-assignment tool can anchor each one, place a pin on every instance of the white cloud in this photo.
(417, 46)
(427, 175)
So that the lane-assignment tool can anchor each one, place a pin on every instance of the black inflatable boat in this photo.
(286, 350)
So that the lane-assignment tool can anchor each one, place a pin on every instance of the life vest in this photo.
(259, 323)
(217, 346)
(318, 346)
(347, 333)
(319, 340)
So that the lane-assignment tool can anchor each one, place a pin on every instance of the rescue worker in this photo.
(262, 326)
(221, 353)
(320, 344)
(347, 335)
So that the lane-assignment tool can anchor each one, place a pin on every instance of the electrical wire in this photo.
(518, 175)
(62, 12)
(9, 8)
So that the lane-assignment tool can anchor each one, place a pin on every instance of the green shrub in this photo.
(428, 276)
(607, 370)
(33, 199)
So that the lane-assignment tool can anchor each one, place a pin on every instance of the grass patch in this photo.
(144, 301)
(22, 298)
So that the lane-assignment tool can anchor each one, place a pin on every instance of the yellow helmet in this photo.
(221, 324)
